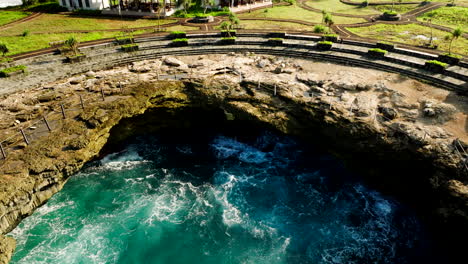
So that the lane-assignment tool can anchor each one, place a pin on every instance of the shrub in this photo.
(177, 32)
(324, 45)
(437, 63)
(4, 49)
(452, 55)
(5, 59)
(377, 50)
(385, 43)
(179, 40)
(6, 72)
(390, 13)
(25, 33)
(130, 47)
(325, 42)
(319, 28)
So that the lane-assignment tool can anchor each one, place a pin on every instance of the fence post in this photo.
(81, 102)
(24, 136)
(274, 90)
(47, 123)
(63, 111)
(3, 151)
(102, 93)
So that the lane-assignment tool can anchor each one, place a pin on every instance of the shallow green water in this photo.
(216, 199)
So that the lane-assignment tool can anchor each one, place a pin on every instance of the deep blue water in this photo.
(218, 199)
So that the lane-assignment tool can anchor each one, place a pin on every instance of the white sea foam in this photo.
(122, 161)
(227, 148)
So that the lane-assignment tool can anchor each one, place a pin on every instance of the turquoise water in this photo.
(218, 199)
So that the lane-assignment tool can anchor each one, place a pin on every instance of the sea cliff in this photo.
(406, 137)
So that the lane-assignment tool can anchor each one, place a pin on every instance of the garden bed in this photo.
(76, 58)
(15, 70)
(130, 47)
(179, 42)
(228, 41)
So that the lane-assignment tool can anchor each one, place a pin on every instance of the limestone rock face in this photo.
(7, 247)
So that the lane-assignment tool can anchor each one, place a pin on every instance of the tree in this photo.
(28, 2)
(233, 19)
(72, 44)
(185, 4)
(207, 3)
(455, 34)
(4, 49)
(328, 20)
(225, 26)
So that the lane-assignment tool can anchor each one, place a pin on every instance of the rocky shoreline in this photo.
(407, 137)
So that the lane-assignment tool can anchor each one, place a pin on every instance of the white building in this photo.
(150, 7)
(85, 4)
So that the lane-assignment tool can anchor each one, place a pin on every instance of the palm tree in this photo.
(72, 44)
(4, 49)
(455, 34)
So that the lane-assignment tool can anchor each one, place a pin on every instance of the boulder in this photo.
(76, 80)
(171, 61)
(310, 79)
(263, 63)
(439, 112)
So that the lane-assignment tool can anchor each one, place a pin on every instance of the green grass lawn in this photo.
(398, 8)
(10, 16)
(411, 34)
(275, 26)
(295, 12)
(338, 7)
(180, 28)
(55, 23)
(448, 16)
(34, 42)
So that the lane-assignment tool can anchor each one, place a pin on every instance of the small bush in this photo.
(177, 32)
(452, 55)
(179, 40)
(325, 43)
(390, 13)
(377, 50)
(25, 33)
(437, 63)
(5, 59)
(4, 49)
(319, 29)
(6, 72)
(129, 46)
(384, 43)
